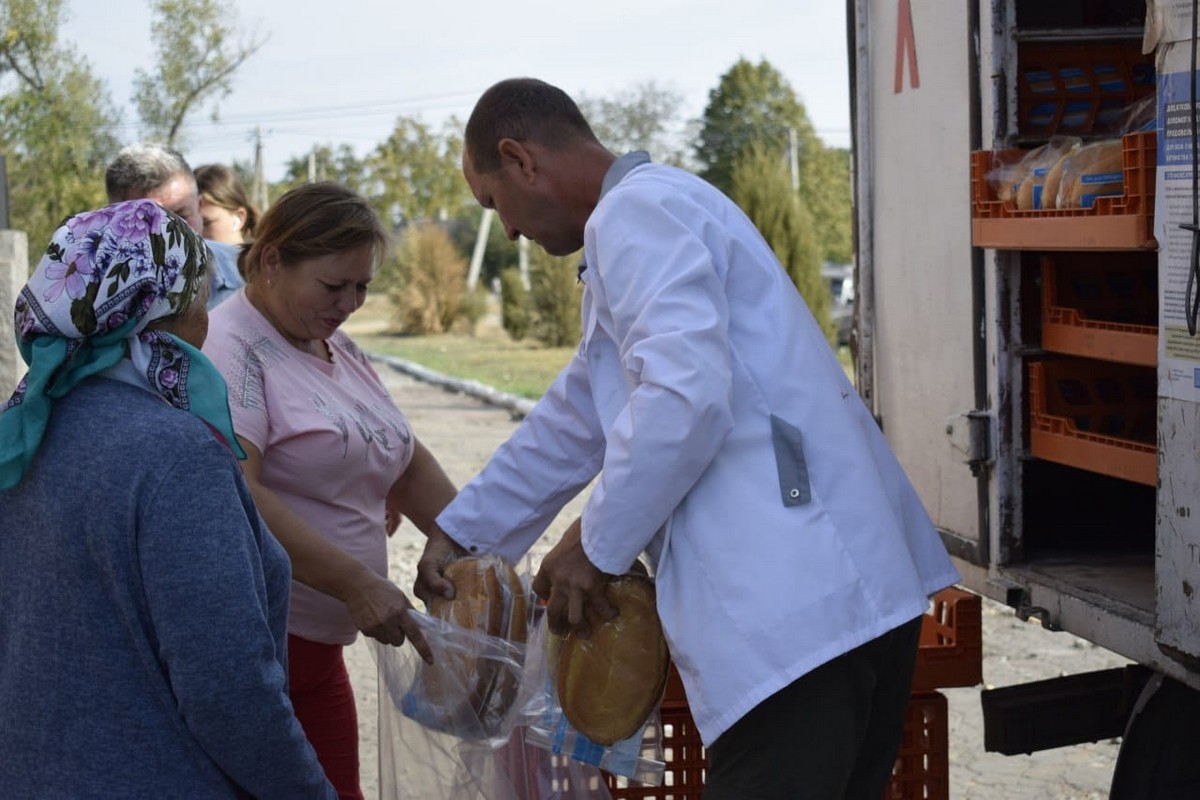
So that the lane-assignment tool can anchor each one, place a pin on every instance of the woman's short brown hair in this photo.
(315, 220)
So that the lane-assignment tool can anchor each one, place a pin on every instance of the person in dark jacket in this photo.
(143, 602)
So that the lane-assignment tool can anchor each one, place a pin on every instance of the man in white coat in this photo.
(792, 557)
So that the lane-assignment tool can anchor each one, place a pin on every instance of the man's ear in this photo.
(516, 154)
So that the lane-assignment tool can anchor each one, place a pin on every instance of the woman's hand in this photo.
(380, 610)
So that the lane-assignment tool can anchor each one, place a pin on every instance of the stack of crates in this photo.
(951, 654)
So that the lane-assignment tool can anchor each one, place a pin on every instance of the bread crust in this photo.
(610, 682)
(489, 598)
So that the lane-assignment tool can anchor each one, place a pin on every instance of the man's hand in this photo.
(380, 610)
(431, 581)
(574, 589)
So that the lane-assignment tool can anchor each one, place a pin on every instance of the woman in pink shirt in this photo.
(327, 449)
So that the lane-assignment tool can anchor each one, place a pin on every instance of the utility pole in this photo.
(485, 224)
(259, 190)
(523, 261)
(312, 166)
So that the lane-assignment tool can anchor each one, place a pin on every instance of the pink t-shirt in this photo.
(332, 443)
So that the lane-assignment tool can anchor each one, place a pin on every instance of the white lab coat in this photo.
(729, 445)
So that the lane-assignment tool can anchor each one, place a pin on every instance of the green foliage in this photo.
(754, 106)
(54, 127)
(337, 164)
(425, 279)
(498, 253)
(555, 296)
(197, 57)
(825, 185)
(762, 187)
(472, 307)
(645, 117)
(516, 315)
(415, 174)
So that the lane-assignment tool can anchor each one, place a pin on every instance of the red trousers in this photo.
(324, 701)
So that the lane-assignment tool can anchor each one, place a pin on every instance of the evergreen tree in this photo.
(762, 188)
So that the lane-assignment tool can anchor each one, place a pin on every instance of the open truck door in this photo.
(920, 357)
(1033, 364)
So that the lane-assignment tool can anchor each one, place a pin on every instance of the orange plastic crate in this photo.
(1112, 223)
(951, 651)
(1081, 89)
(683, 753)
(923, 762)
(1095, 415)
(1100, 309)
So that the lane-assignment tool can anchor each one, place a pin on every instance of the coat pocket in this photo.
(794, 486)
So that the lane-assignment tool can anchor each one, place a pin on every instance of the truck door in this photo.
(917, 328)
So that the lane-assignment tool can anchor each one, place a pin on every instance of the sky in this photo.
(342, 72)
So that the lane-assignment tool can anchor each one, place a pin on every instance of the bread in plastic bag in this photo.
(1037, 165)
(1095, 170)
(472, 687)
(610, 681)
(457, 729)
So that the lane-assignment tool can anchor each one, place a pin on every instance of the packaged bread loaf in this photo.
(1037, 166)
(473, 684)
(1092, 171)
(610, 682)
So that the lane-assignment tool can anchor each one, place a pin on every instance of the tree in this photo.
(825, 186)
(54, 128)
(645, 117)
(762, 188)
(197, 57)
(337, 164)
(415, 173)
(754, 105)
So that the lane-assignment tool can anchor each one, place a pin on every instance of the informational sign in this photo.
(1179, 247)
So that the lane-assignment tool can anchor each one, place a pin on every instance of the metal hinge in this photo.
(971, 435)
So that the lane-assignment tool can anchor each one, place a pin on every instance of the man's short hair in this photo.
(141, 168)
(525, 109)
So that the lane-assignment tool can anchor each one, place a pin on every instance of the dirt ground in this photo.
(463, 432)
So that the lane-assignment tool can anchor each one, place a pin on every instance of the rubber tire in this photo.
(1159, 753)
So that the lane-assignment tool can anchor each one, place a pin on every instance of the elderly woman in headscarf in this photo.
(143, 602)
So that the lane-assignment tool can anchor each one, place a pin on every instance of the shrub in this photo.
(555, 295)
(515, 313)
(430, 277)
(472, 307)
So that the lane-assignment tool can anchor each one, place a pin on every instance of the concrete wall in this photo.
(14, 271)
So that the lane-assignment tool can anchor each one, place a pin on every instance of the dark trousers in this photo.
(832, 733)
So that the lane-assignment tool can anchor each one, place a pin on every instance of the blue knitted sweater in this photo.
(143, 609)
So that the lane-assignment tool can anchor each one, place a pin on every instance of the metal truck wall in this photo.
(1177, 554)
(917, 208)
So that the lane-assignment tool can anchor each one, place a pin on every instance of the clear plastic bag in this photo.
(1021, 183)
(1092, 171)
(484, 722)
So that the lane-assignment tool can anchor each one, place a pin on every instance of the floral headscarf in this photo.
(106, 275)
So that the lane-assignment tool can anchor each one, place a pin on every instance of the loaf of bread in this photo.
(475, 684)
(1092, 171)
(1034, 192)
(610, 682)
